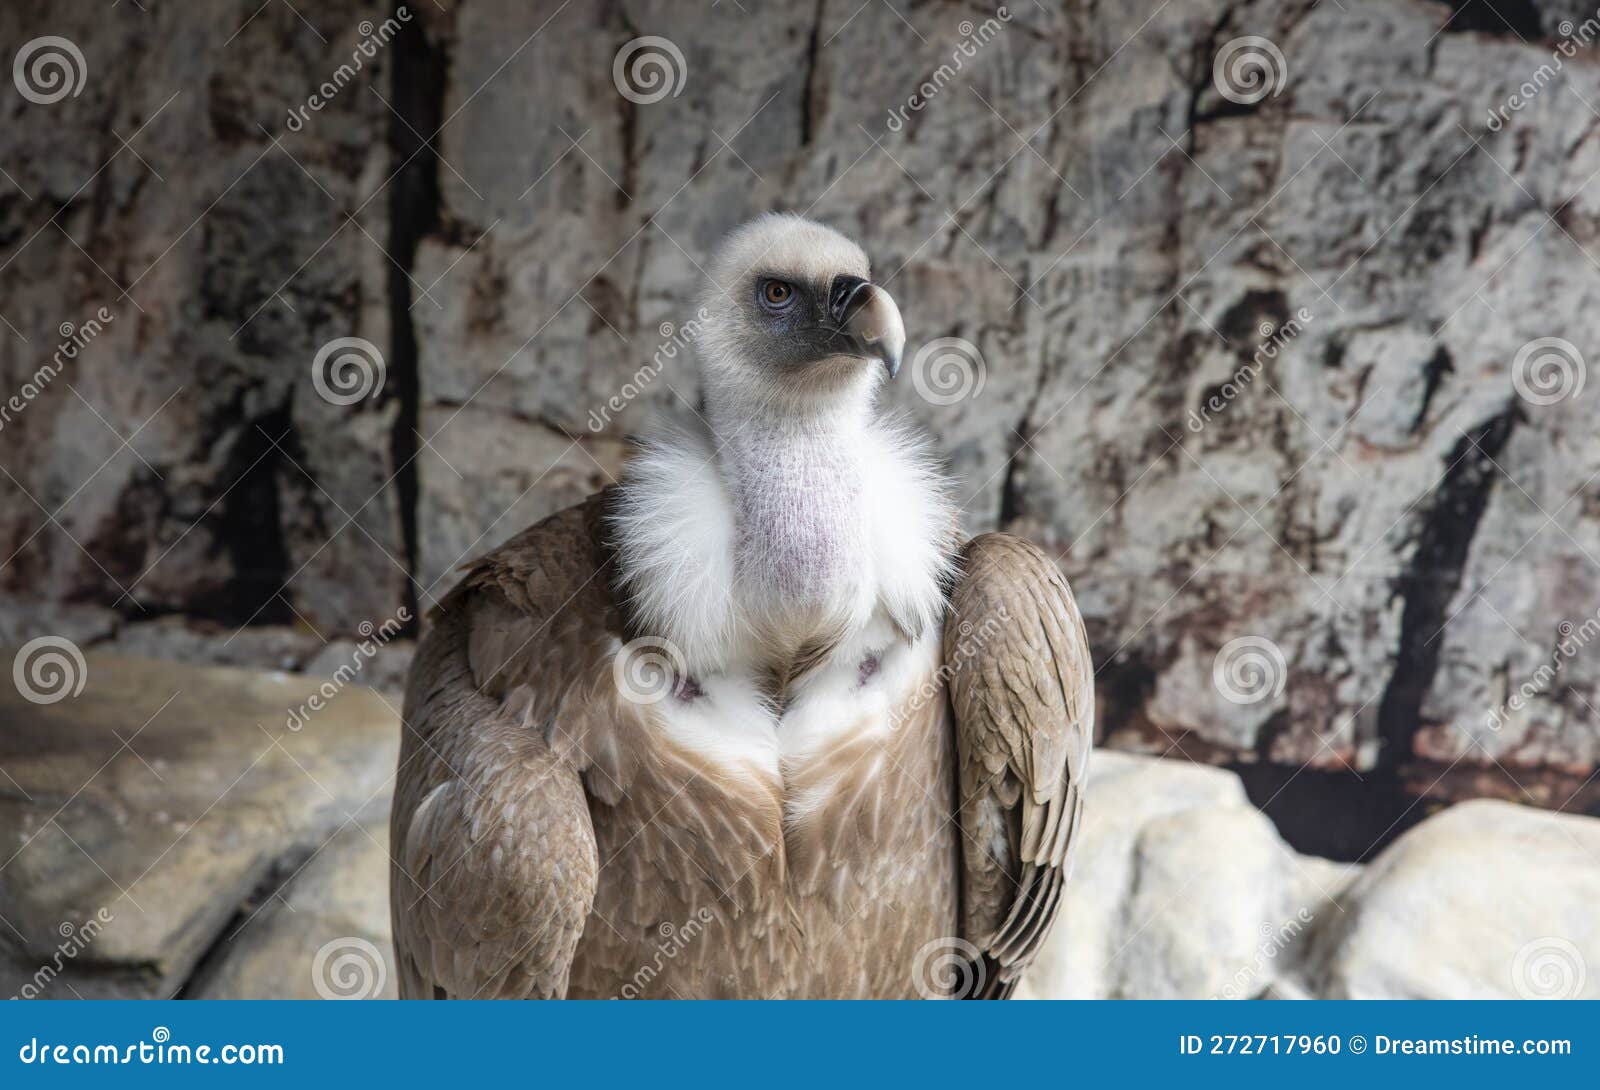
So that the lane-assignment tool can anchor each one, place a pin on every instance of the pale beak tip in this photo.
(889, 332)
(890, 354)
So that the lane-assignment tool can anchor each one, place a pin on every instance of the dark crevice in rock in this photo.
(1200, 79)
(1433, 373)
(1201, 53)
(1011, 502)
(628, 120)
(250, 527)
(1341, 816)
(1123, 685)
(1237, 20)
(628, 124)
(279, 873)
(1241, 325)
(809, 92)
(1011, 486)
(1430, 583)
(417, 88)
(1507, 18)
(1331, 814)
(1479, 234)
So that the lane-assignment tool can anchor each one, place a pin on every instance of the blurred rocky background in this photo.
(1268, 319)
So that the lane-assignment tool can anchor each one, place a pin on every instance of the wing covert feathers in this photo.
(1022, 692)
(495, 865)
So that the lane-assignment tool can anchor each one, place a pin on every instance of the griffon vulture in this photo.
(752, 723)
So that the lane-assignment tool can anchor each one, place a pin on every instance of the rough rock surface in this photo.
(182, 461)
(288, 648)
(1484, 901)
(1077, 200)
(1180, 892)
(167, 797)
(336, 907)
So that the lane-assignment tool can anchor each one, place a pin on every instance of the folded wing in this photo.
(1022, 692)
(495, 868)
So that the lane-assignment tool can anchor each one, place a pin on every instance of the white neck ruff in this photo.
(780, 533)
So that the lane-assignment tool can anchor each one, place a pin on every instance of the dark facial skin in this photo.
(794, 323)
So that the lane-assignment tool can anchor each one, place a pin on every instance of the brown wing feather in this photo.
(495, 865)
(1022, 690)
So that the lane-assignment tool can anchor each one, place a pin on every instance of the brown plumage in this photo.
(521, 771)
(857, 767)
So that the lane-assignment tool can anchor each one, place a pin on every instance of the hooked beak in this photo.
(869, 318)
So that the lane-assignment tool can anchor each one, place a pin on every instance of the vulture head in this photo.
(792, 317)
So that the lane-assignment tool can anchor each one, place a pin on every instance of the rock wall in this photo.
(182, 461)
(1267, 318)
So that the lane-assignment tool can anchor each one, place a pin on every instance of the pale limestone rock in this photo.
(166, 795)
(1486, 900)
(324, 934)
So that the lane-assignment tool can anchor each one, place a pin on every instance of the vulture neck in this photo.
(801, 550)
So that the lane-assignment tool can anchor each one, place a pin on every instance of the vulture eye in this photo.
(776, 294)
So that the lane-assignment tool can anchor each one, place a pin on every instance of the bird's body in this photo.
(749, 724)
